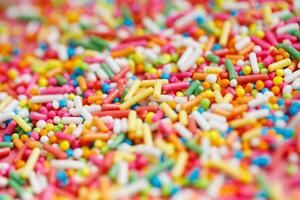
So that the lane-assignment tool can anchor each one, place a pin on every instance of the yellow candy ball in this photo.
(12, 74)
(277, 80)
(179, 94)
(148, 117)
(64, 145)
(240, 92)
(43, 82)
(247, 70)
(279, 72)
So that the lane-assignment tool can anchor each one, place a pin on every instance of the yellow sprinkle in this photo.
(248, 135)
(279, 64)
(227, 98)
(133, 89)
(225, 33)
(235, 172)
(213, 70)
(241, 122)
(267, 13)
(180, 164)
(21, 122)
(218, 96)
(157, 89)
(150, 83)
(147, 135)
(167, 148)
(138, 128)
(131, 121)
(5, 102)
(168, 111)
(183, 118)
(30, 162)
(138, 97)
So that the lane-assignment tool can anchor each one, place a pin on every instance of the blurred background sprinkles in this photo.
(149, 99)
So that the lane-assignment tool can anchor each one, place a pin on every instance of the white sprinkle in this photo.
(46, 98)
(123, 173)
(201, 121)
(67, 164)
(253, 63)
(258, 101)
(112, 64)
(242, 43)
(72, 120)
(288, 27)
(183, 132)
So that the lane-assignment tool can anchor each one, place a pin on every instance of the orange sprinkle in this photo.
(100, 124)
(177, 143)
(199, 76)
(123, 52)
(210, 42)
(82, 83)
(247, 49)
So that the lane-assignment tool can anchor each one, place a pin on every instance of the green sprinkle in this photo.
(292, 51)
(117, 141)
(198, 90)
(192, 88)
(213, 58)
(263, 184)
(31, 18)
(16, 177)
(113, 172)
(6, 144)
(161, 167)
(230, 69)
(124, 94)
(98, 42)
(15, 186)
(201, 184)
(61, 80)
(207, 28)
(107, 70)
(191, 144)
(294, 32)
(205, 103)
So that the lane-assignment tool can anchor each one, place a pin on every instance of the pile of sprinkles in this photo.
(149, 99)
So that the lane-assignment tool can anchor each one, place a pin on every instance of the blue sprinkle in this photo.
(199, 20)
(264, 130)
(262, 161)
(264, 90)
(43, 46)
(239, 155)
(174, 190)
(105, 88)
(155, 182)
(216, 47)
(78, 71)
(128, 22)
(201, 110)
(62, 103)
(234, 12)
(116, 100)
(165, 76)
(193, 176)
(61, 175)
(128, 141)
(7, 138)
(135, 106)
(71, 52)
(75, 83)
(285, 132)
(69, 153)
(280, 102)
